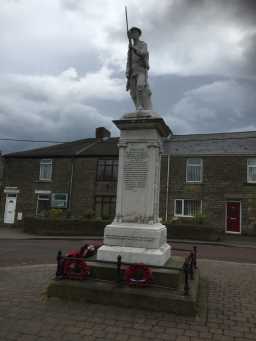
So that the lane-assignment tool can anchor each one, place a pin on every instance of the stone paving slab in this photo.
(26, 314)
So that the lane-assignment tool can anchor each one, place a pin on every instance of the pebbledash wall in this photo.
(200, 175)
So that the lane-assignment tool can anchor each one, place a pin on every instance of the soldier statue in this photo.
(137, 71)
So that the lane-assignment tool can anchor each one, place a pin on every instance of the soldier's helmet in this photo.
(135, 29)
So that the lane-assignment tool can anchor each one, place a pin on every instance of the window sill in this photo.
(183, 216)
(250, 183)
(193, 183)
(38, 181)
(59, 208)
(106, 180)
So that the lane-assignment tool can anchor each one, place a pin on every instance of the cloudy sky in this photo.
(62, 66)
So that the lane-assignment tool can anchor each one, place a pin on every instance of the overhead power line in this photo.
(28, 140)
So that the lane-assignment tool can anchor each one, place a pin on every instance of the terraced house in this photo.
(1, 179)
(209, 177)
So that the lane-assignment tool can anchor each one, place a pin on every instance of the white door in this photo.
(10, 207)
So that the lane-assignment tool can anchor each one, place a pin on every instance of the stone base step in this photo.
(165, 277)
(165, 294)
(107, 293)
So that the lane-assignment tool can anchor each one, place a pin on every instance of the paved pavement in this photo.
(26, 314)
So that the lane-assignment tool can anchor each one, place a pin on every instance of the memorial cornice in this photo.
(144, 123)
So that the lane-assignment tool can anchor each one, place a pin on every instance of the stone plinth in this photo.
(132, 255)
(136, 233)
(141, 243)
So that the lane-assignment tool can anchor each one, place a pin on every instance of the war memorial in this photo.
(134, 266)
(136, 233)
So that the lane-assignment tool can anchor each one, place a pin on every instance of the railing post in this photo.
(191, 265)
(195, 257)
(59, 271)
(118, 271)
(186, 270)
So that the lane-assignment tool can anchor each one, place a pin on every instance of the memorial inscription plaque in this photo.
(136, 168)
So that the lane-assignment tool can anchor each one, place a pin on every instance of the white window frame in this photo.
(12, 190)
(201, 171)
(44, 162)
(42, 199)
(182, 214)
(39, 191)
(53, 200)
(248, 180)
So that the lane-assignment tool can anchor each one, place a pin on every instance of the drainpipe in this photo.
(3, 184)
(71, 183)
(167, 188)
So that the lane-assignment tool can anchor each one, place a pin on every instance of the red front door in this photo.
(233, 217)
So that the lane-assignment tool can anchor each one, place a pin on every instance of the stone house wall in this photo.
(83, 191)
(23, 173)
(224, 179)
(1, 168)
(1, 185)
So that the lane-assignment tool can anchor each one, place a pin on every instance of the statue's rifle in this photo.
(129, 53)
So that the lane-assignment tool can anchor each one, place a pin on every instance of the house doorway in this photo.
(10, 208)
(233, 217)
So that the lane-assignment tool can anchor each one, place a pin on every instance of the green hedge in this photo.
(193, 231)
(68, 227)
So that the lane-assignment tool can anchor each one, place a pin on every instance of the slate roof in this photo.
(239, 143)
(85, 147)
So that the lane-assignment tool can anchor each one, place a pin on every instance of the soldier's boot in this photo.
(139, 104)
(134, 99)
(147, 104)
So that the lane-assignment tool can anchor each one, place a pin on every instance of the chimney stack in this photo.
(102, 133)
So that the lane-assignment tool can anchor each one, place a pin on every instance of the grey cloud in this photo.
(62, 123)
(249, 62)
(49, 107)
(72, 5)
(187, 37)
(42, 57)
(197, 71)
(168, 90)
(219, 106)
(245, 11)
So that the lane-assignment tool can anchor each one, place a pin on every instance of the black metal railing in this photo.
(188, 268)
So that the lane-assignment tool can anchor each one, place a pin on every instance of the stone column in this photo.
(136, 232)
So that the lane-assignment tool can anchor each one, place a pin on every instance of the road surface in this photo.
(26, 252)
